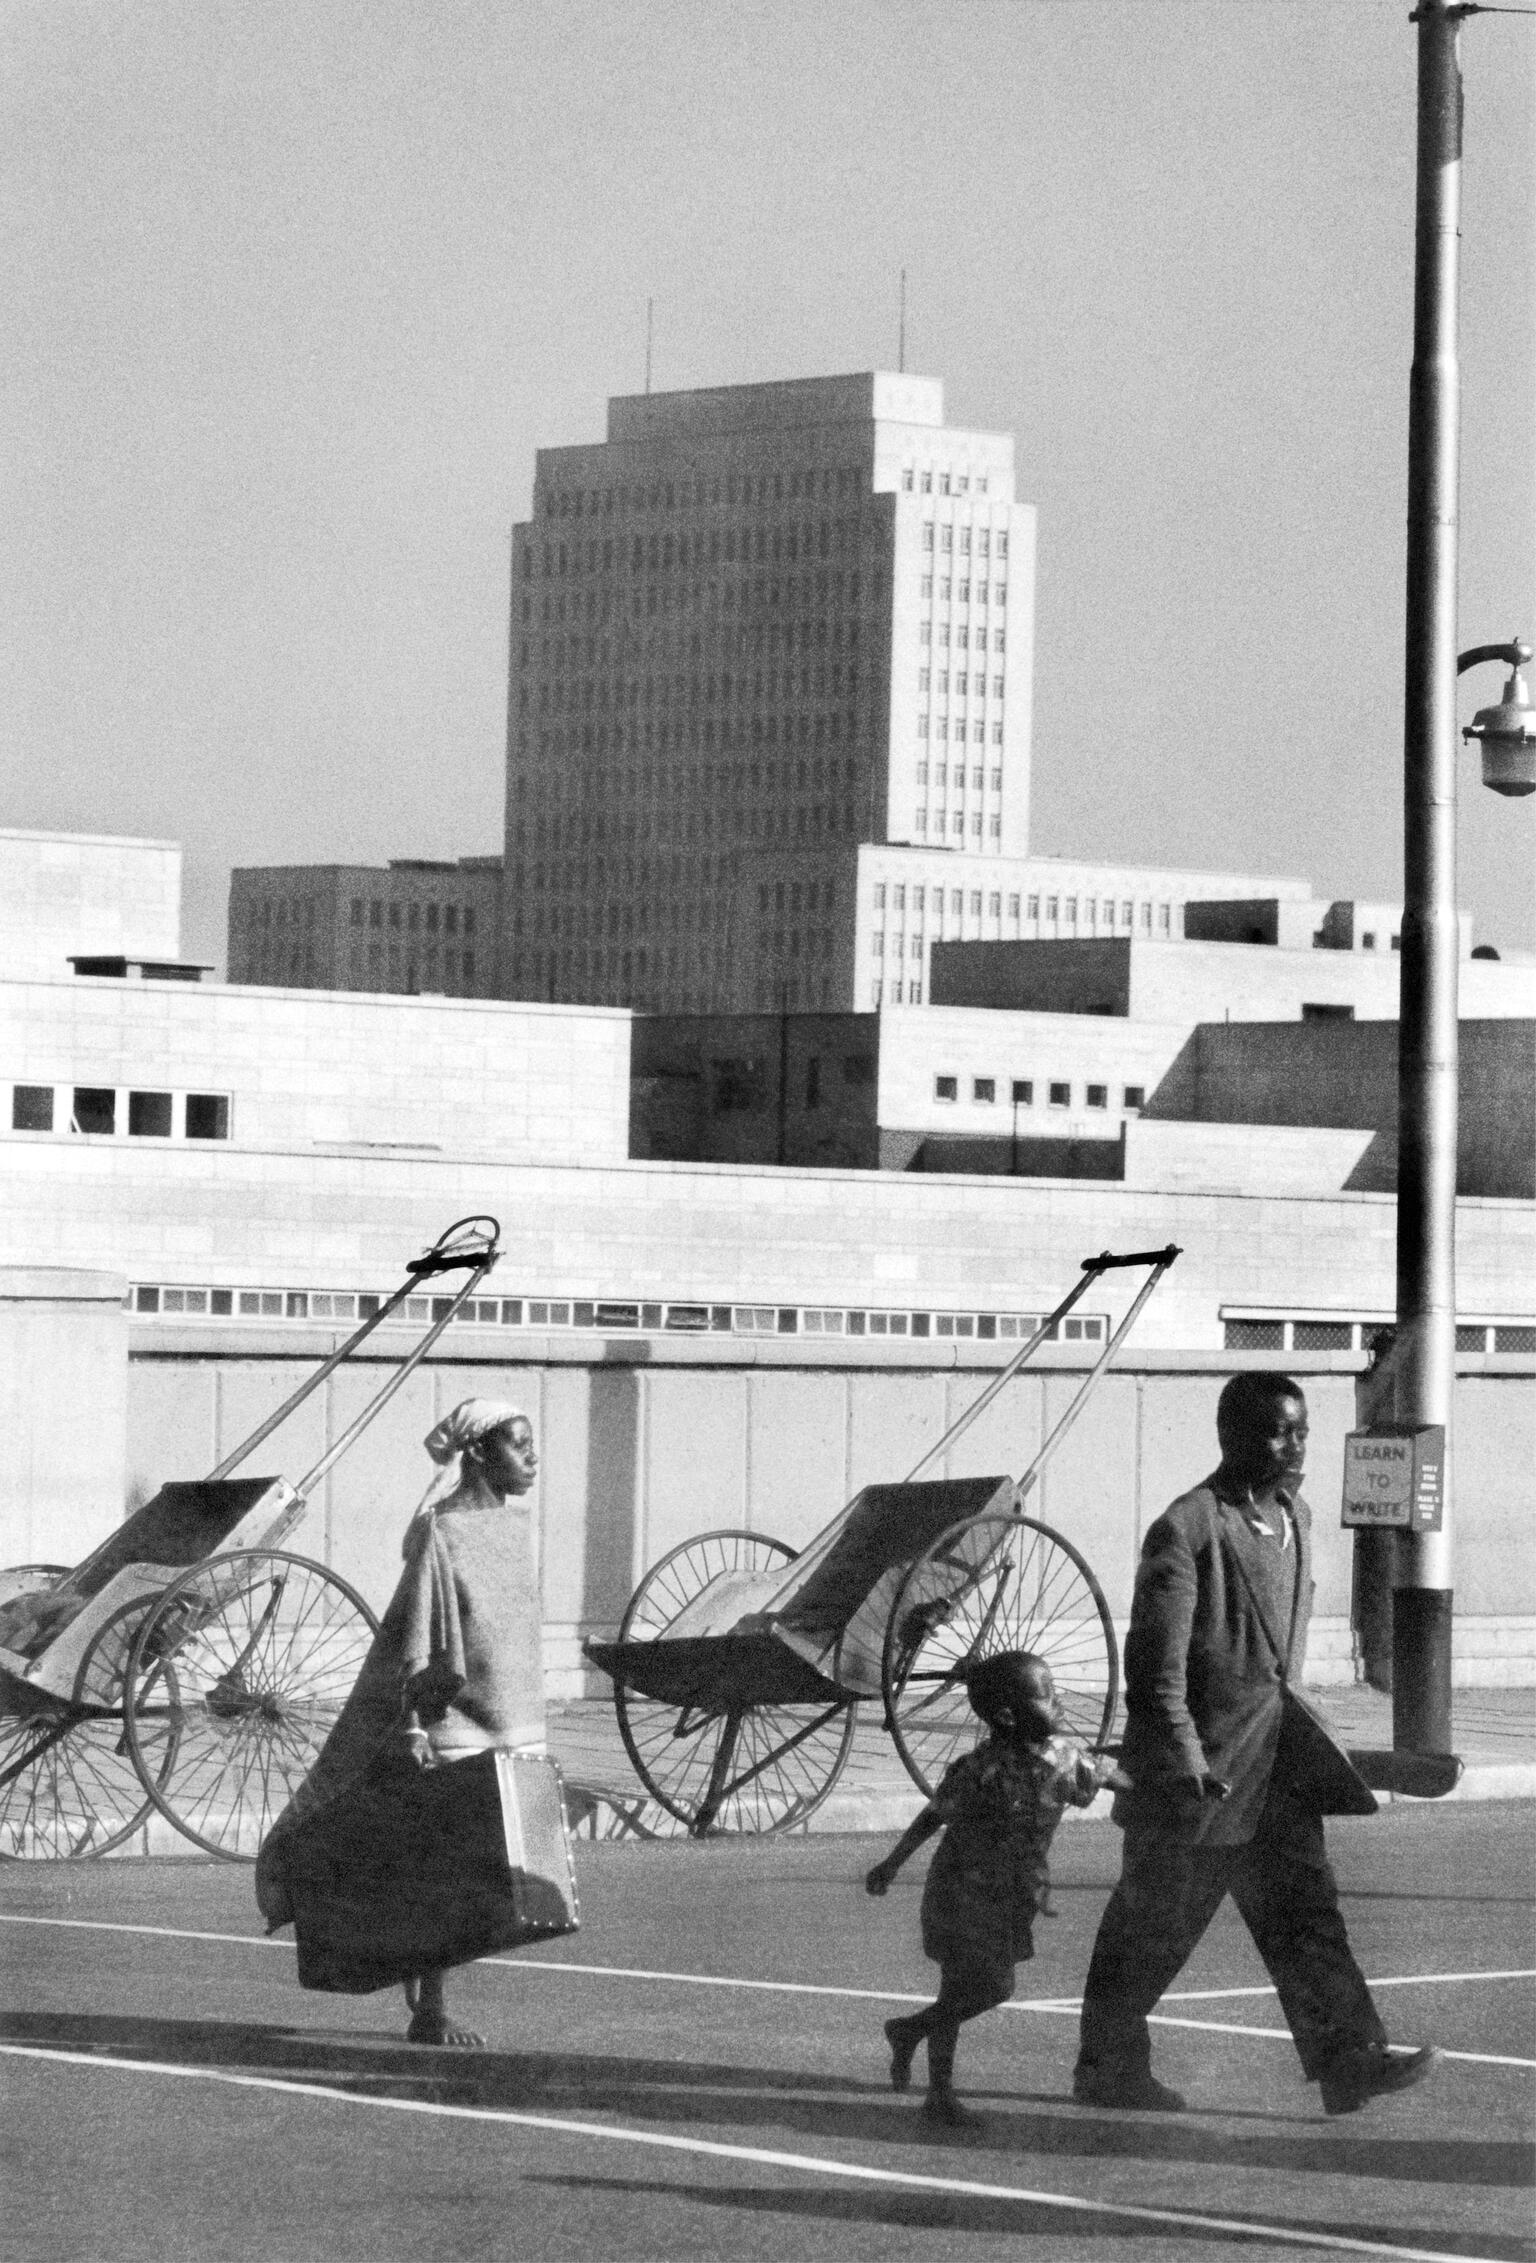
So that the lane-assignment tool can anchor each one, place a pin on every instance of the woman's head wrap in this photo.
(470, 1421)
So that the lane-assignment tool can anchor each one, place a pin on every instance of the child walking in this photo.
(998, 1808)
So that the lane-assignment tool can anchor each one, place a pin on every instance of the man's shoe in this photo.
(1131, 2089)
(1357, 2076)
(903, 2035)
(942, 2107)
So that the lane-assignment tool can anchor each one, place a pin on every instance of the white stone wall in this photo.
(1249, 1159)
(918, 1045)
(69, 893)
(638, 1456)
(1194, 982)
(1018, 899)
(467, 1076)
(202, 1214)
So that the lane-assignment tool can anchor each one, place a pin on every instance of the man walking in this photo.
(1232, 1776)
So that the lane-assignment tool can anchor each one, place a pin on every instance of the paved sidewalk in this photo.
(1495, 1734)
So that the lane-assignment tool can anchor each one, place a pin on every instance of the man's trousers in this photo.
(1168, 1893)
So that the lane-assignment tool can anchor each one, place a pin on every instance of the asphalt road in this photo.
(171, 2096)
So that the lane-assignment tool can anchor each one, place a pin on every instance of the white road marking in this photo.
(813, 2164)
(1061, 2005)
(1402, 1980)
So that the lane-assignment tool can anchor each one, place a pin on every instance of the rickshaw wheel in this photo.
(69, 1787)
(764, 1769)
(254, 1653)
(994, 1582)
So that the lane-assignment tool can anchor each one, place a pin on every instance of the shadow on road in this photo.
(761, 2103)
(955, 2212)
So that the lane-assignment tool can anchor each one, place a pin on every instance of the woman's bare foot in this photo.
(424, 2029)
(429, 2018)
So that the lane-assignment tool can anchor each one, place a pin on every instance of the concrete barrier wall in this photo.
(640, 1452)
(63, 1388)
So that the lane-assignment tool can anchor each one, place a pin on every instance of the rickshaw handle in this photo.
(1092, 1267)
(1159, 1260)
(434, 1260)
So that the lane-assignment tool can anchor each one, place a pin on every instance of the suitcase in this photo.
(413, 1868)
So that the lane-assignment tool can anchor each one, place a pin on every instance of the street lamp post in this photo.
(1427, 1062)
(1427, 1065)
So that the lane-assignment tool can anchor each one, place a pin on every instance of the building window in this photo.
(877, 946)
(946, 1088)
(207, 1115)
(879, 897)
(898, 899)
(1135, 1096)
(1255, 1335)
(1022, 1092)
(32, 1107)
(1034, 908)
(94, 1109)
(1061, 1095)
(984, 1088)
(149, 1115)
(1051, 907)
(357, 911)
(1098, 1095)
(995, 906)
(917, 946)
(1164, 919)
(1368, 941)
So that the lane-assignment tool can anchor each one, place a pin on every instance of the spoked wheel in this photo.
(69, 1786)
(252, 1656)
(995, 1582)
(762, 1768)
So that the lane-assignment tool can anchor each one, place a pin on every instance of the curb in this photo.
(888, 1811)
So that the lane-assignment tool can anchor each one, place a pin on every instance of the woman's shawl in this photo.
(459, 1645)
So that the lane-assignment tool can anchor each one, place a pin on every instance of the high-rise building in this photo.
(769, 715)
(754, 629)
(412, 926)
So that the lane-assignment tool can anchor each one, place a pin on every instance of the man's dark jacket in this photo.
(1203, 1681)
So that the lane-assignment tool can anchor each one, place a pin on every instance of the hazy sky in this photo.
(294, 291)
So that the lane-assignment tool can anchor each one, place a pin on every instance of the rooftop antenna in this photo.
(650, 313)
(901, 334)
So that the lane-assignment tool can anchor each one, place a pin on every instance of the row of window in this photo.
(957, 823)
(1021, 1091)
(985, 542)
(107, 1111)
(665, 553)
(949, 483)
(413, 918)
(978, 775)
(1056, 910)
(683, 495)
(979, 686)
(1273, 1334)
(148, 1300)
(959, 592)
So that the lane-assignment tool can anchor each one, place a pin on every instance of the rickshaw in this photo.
(741, 1662)
(192, 1665)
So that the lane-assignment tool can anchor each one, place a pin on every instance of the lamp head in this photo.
(1507, 735)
